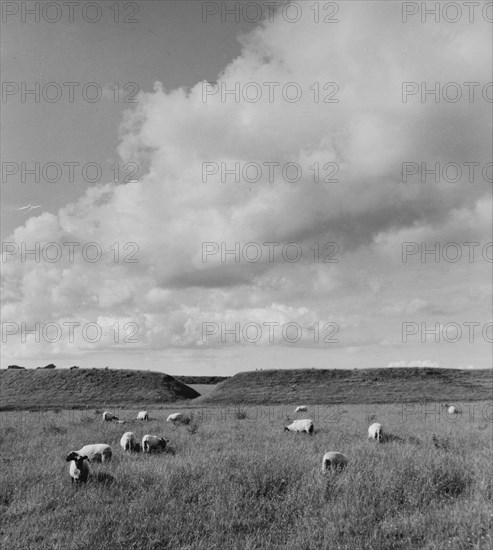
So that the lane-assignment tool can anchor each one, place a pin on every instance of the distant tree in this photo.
(16, 367)
(50, 366)
(74, 367)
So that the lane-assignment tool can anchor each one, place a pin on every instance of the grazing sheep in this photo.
(452, 410)
(129, 443)
(79, 470)
(375, 432)
(333, 461)
(120, 421)
(97, 452)
(143, 415)
(108, 417)
(301, 408)
(153, 443)
(305, 425)
(174, 417)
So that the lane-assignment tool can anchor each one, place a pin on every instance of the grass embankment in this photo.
(398, 385)
(64, 388)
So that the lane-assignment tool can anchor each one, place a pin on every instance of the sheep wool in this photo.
(375, 432)
(333, 461)
(302, 425)
(97, 452)
(153, 443)
(128, 442)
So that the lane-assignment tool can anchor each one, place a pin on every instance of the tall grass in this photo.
(241, 482)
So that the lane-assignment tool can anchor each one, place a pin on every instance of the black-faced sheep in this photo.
(79, 469)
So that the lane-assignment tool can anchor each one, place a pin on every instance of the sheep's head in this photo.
(77, 458)
(137, 448)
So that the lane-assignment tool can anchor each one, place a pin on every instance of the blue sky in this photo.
(269, 224)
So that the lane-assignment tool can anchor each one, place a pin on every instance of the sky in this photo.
(301, 188)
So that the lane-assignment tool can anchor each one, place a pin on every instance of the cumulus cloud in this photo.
(165, 219)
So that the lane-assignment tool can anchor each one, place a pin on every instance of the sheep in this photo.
(301, 408)
(153, 443)
(143, 415)
(79, 470)
(333, 461)
(120, 421)
(174, 417)
(97, 452)
(375, 432)
(108, 417)
(305, 425)
(452, 409)
(129, 443)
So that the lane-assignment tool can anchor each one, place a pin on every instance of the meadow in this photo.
(233, 479)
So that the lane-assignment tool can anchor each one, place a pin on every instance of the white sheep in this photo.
(375, 432)
(304, 425)
(96, 452)
(108, 417)
(79, 470)
(129, 443)
(301, 408)
(153, 443)
(174, 417)
(333, 461)
(143, 415)
(451, 409)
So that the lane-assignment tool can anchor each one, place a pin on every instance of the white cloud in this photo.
(171, 291)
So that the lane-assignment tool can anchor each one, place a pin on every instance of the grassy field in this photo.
(233, 479)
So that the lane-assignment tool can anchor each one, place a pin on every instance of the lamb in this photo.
(108, 417)
(174, 417)
(79, 470)
(333, 461)
(129, 443)
(153, 443)
(97, 452)
(301, 408)
(375, 432)
(143, 415)
(304, 425)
